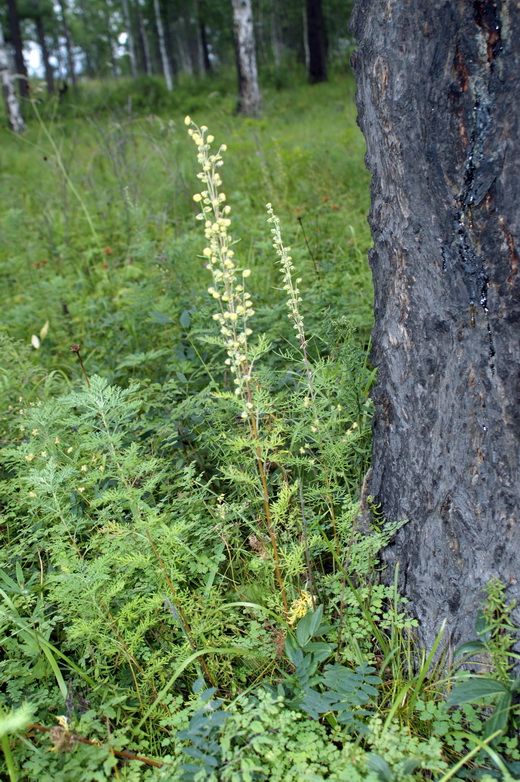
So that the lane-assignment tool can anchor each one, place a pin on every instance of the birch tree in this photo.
(162, 46)
(245, 54)
(11, 100)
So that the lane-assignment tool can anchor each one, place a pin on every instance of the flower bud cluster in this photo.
(234, 302)
(289, 284)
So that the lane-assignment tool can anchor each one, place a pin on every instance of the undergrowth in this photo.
(189, 579)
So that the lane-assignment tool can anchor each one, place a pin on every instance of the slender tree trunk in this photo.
(16, 39)
(191, 37)
(162, 46)
(317, 43)
(131, 45)
(111, 43)
(11, 100)
(206, 61)
(306, 52)
(71, 71)
(202, 40)
(276, 38)
(144, 45)
(181, 47)
(244, 40)
(440, 109)
(40, 32)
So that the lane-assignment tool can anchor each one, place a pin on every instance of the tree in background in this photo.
(11, 100)
(162, 46)
(245, 53)
(42, 13)
(317, 50)
(130, 39)
(16, 40)
(71, 70)
(440, 110)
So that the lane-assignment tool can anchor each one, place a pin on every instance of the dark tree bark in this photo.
(16, 40)
(71, 71)
(144, 47)
(439, 106)
(316, 41)
(42, 41)
(245, 55)
(204, 48)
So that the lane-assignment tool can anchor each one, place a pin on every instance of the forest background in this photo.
(189, 576)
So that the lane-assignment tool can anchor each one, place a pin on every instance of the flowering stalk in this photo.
(235, 305)
(290, 285)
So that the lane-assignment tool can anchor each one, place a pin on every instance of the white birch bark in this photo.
(131, 46)
(249, 92)
(162, 46)
(11, 100)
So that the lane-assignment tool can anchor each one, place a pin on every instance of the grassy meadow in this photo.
(189, 586)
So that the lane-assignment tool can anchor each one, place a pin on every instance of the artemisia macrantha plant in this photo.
(234, 303)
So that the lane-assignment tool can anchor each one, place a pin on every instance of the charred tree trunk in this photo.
(16, 39)
(440, 109)
(316, 42)
(244, 40)
(11, 100)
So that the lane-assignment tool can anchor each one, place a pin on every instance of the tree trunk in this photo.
(316, 41)
(439, 106)
(244, 40)
(205, 61)
(146, 60)
(162, 46)
(16, 39)
(131, 45)
(71, 71)
(11, 101)
(40, 32)
(276, 36)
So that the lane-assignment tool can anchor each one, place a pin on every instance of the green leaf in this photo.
(185, 319)
(160, 317)
(308, 625)
(500, 716)
(474, 690)
(472, 647)
(379, 766)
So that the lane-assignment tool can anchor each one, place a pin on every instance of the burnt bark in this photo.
(440, 110)
(316, 42)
